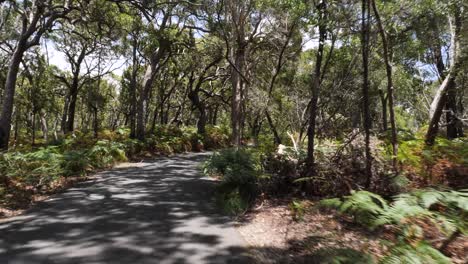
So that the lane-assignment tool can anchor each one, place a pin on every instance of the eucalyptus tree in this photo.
(133, 40)
(322, 21)
(238, 24)
(84, 42)
(456, 13)
(34, 19)
(389, 72)
(205, 66)
(365, 42)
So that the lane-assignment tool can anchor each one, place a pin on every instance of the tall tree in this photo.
(455, 17)
(389, 72)
(37, 17)
(316, 80)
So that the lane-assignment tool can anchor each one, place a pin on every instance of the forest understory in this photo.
(338, 126)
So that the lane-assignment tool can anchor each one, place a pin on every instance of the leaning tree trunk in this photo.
(148, 81)
(9, 94)
(440, 98)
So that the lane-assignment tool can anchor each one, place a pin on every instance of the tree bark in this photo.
(276, 136)
(9, 94)
(315, 85)
(70, 126)
(236, 100)
(33, 128)
(133, 90)
(148, 81)
(365, 16)
(388, 68)
(44, 127)
(383, 100)
(440, 98)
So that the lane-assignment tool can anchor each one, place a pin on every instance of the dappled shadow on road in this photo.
(159, 212)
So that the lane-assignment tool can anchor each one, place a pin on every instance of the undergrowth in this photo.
(24, 172)
(445, 210)
(239, 171)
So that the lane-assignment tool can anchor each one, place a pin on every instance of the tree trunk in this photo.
(133, 91)
(33, 128)
(277, 138)
(236, 100)
(388, 67)
(451, 113)
(9, 94)
(315, 85)
(215, 116)
(95, 122)
(365, 87)
(383, 100)
(70, 127)
(45, 130)
(440, 98)
(63, 122)
(17, 119)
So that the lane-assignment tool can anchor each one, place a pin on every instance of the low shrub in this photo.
(239, 171)
(445, 210)
(75, 162)
(33, 168)
(215, 138)
(105, 153)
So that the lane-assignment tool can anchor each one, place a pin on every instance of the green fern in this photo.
(421, 253)
(365, 206)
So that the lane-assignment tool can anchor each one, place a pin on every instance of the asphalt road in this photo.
(158, 211)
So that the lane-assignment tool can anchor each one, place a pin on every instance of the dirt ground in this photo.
(276, 237)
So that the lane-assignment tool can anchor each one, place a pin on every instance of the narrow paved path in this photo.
(158, 211)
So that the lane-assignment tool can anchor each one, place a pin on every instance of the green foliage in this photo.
(419, 253)
(33, 168)
(105, 153)
(216, 137)
(230, 200)
(239, 170)
(298, 209)
(75, 163)
(447, 210)
(366, 207)
(416, 154)
(339, 256)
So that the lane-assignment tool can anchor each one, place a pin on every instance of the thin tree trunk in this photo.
(365, 87)
(388, 67)
(383, 100)
(277, 138)
(95, 122)
(33, 128)
(44, 127)
(236, 100)
(316, 83)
